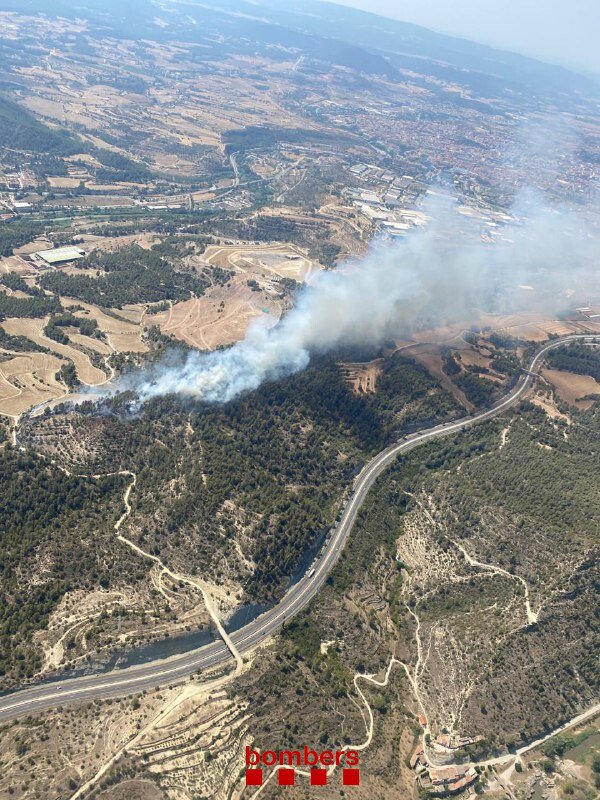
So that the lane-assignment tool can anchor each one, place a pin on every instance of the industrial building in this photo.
(60, 255)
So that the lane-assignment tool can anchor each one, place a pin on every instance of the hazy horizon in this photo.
(551, 30)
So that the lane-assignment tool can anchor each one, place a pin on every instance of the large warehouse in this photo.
(61, 255)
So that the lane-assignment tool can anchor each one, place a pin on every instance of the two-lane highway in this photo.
(156, 673)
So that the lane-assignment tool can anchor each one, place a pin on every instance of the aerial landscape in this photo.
(299, 407)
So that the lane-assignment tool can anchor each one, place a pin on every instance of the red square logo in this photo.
(351, 777)
(286, 777)
(318, 777)
(254, 777)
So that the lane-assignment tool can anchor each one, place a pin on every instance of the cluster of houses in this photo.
(444, 780)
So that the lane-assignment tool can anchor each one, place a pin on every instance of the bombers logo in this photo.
(318, 763)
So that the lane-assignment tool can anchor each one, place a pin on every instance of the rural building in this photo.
(444, 781)
(61, 255)
(21, 206)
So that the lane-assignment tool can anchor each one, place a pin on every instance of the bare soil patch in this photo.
(362, 377)
(255, 292)
(548, 405)
(284, 261)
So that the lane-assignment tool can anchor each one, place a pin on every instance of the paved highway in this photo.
(146, 676)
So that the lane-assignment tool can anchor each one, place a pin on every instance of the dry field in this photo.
(97, 200)
(26, 380)
(223, 314)
(134, 313)
(473, 358)
(41, 243)
(571, 387)
(113, 187)
(221, 319)
(102, 144)
(34, 330)
(13, 292)
(90, 343)
(14, 264)
(85, 158)
(171, 162)
(64, 183)
(111, 243)
(52, 109)
(202, 197)
(123, 331)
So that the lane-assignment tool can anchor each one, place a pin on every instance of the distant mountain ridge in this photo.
(330, 33)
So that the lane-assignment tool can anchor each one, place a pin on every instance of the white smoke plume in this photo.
(440, 273)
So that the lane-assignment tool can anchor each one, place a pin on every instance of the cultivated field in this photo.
(34, 330)
(572, 388)
(28, 379)
(123, 331)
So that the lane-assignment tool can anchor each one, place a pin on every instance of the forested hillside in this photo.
(130, 275)
(20, 129)
(16, 232)
(239, 492)
(519, 496)
(56, 537)
(508, 515)
(37, 306)
(577, 358)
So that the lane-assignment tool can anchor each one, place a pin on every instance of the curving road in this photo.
(146, 676)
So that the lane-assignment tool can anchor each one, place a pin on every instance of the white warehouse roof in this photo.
(59, 255)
